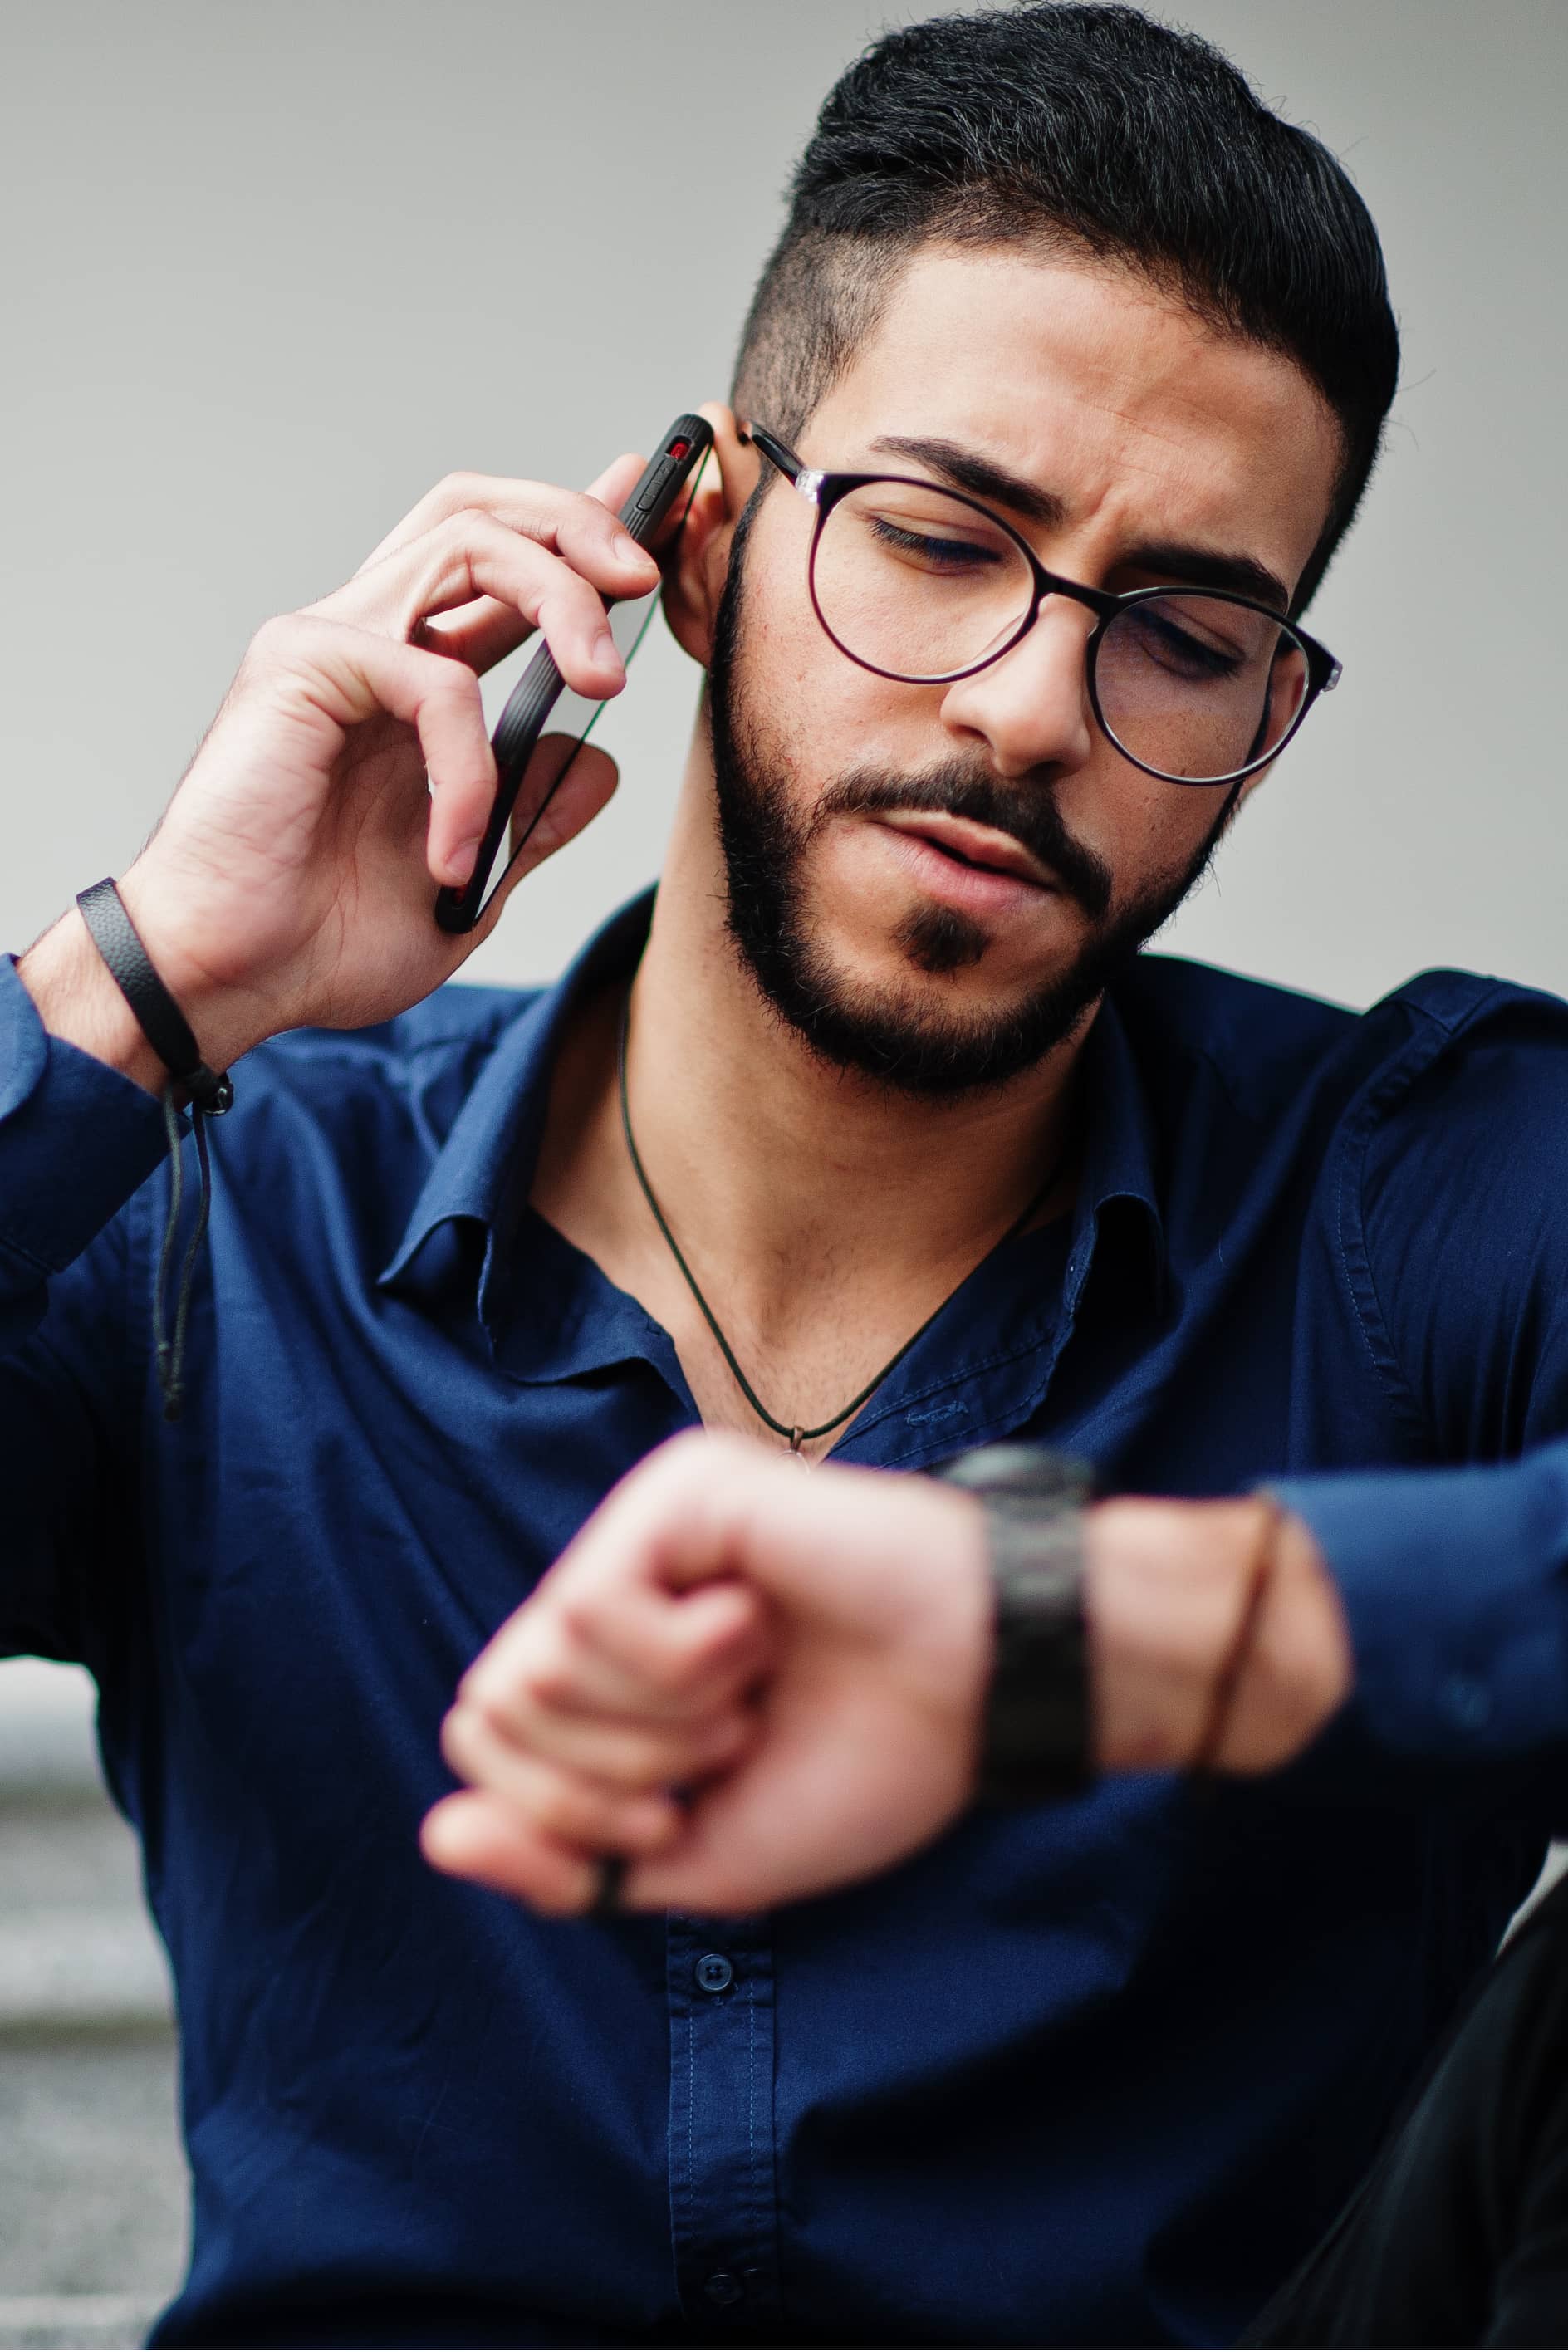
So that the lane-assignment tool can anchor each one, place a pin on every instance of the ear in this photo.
(696, 570)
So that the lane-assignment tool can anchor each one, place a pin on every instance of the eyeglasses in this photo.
(1198, 686)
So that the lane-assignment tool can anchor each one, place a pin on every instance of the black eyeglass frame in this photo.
(823, 491)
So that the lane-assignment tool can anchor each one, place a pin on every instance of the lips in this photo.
(979, 847)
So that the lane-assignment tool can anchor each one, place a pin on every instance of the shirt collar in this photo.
(1117, 1212)
(479, 1186)
(476, 1191)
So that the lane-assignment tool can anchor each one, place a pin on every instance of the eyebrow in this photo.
(1200, 567)
(979, 476)
(1196, 567)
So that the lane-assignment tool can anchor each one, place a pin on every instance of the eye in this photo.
(937, 553)
(1162, 639)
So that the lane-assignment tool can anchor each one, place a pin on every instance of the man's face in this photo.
(856, 812)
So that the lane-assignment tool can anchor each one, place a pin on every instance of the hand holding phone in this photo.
(672, 466)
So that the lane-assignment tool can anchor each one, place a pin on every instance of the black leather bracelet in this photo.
(1036, 1742)
(211, 1092)
(160, 1021)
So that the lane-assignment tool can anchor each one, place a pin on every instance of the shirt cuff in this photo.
(76, 1140)
(1456, 1598)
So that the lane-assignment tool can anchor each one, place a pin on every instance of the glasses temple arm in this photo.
(776, 452)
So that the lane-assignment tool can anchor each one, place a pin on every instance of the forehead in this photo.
(1146, 421)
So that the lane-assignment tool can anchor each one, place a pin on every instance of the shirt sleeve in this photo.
(1454, 1585)
(77, 1140)
(1451, 1219)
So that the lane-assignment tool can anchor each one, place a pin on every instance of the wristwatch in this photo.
(1036, 1742)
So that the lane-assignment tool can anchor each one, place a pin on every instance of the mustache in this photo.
(1028, 812)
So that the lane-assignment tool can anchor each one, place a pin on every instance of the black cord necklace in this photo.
(797, 1436)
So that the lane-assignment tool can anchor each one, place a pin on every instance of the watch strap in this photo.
(1036, 1741)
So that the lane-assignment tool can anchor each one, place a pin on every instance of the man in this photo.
(1057, 393)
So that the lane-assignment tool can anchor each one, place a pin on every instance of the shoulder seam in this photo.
(1423, 1051)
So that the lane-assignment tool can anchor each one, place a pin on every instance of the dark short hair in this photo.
(1100, 132)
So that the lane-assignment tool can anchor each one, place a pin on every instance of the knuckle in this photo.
(488, 1715)
(465, 524)
(577, 1617)
(589, 516)
(557, 1807)
(276, 636)
(461, 488)
(457, 1736)
(548, 1682)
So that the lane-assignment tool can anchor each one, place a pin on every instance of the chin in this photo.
(922, 951)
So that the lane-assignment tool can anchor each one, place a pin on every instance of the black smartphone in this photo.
(535, 695)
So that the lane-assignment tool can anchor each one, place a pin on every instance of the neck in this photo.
(825, 1217)
(802, 1167)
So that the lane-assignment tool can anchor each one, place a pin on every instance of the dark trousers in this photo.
(1459, 2234)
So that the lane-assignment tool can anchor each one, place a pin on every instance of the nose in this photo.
(1031, 709)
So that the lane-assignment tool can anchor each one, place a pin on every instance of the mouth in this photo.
(980, 846)
(970, 865)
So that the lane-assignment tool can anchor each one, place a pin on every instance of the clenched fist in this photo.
(756, 1682)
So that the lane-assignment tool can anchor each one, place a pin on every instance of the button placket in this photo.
(722, 2198)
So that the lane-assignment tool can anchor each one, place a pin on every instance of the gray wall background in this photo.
(273, 269)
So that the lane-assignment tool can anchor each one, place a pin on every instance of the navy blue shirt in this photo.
(1095, 2073)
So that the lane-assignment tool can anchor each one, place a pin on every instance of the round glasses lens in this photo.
(912, 581)
(1197, 686)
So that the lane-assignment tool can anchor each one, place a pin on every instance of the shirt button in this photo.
(1468, 1702)
(714, 1974)
(724, 2288)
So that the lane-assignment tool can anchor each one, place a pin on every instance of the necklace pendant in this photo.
(795, 1438)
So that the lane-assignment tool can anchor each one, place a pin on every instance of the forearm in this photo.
(78, 1001)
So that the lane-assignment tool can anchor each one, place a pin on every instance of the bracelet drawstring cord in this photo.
(210, 1092)
(169, 1351)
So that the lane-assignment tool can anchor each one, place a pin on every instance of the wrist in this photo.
(1216, 1635)
(78, 1001)
(223, 1015)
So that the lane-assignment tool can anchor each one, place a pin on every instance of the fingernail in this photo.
(460, 863)
(628, 552)
(605, 650)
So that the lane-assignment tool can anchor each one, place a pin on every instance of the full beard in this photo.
(895, 1034)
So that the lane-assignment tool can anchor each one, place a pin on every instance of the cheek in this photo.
(818, 715)
(1147, 832)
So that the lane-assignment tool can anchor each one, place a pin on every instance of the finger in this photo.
(630, 1754)
(614, 486)
(569, 1805)
(557, 519)
(481, 633)
(705, 1507)
(314, 671)
(641, 1653)
(485, 631)
(579, 1640)
(480, 1837)
(588, 784)
(658, 1673)
(471, 555)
